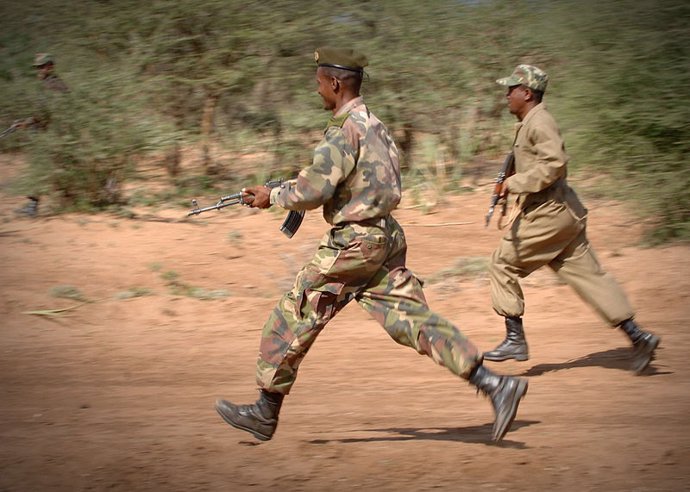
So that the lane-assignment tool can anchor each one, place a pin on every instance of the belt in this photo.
(373, 222)
(554, 192)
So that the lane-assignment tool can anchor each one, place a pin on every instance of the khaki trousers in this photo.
(551, 234)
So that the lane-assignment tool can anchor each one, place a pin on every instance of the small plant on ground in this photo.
(68, 292)
(179, 288)
(134, 292)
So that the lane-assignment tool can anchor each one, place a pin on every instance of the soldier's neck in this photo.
(525, 110)
(344, 98)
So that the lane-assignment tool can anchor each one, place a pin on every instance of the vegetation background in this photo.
(227, 79)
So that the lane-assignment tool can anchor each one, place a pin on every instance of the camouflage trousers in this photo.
(365, 263)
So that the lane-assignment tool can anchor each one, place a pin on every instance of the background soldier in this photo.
(549, 228)
(44, 63)
(355, 176)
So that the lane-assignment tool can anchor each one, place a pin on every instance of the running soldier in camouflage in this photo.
(44, 63)
(355, 177)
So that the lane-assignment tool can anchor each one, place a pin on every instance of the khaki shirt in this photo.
(540, 158)
(541, 164)
(355, 172)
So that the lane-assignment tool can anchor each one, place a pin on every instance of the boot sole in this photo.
(519, 358)
(650, 352)
(260, 437)
(520, 393)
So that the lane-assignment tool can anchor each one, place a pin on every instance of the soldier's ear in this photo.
(529, 94)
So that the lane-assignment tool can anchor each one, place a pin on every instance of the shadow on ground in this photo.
(618, 358)
(476, 434)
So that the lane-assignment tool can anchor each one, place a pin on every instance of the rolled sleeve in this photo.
(316, 184)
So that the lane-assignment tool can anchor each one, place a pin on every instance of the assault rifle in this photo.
(290, 225)
(507, 169)
(11, 129)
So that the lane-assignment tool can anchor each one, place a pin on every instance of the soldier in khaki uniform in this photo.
(355, 177)
(549, 228)
(44, 63)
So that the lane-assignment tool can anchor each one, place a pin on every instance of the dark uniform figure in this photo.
(44, 63)
(548, 227)
(355, 177)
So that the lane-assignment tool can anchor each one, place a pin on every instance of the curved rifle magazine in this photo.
(292, 223)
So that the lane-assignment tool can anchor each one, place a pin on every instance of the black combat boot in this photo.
(31, 208)
(505, 393)
(644, 345)
(514, 346)
(260, 419)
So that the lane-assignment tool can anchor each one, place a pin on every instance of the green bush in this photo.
(237, 78)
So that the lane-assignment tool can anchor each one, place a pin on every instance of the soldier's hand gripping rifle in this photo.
(289, 227)
(507, 169)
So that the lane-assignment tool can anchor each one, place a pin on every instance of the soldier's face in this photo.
(44, 70)
(517, 99)
(325, 89)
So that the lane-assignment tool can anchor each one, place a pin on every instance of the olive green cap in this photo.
(527, 75)
(43, 59)
(343, 58)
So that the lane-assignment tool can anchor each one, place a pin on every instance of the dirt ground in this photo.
(117, 393)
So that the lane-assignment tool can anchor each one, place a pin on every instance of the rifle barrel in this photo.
(289, 227)
(8, 130)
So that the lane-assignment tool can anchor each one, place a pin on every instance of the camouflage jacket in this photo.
(42, 111)
(355, 173)
(54, 83)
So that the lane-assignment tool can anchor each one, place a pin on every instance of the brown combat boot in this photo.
(644, 345)
(505, 393)
(514, 346)
(259, 419)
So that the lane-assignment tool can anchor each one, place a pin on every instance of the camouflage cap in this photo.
(43, 59)
(527, 75)
(343, 58)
